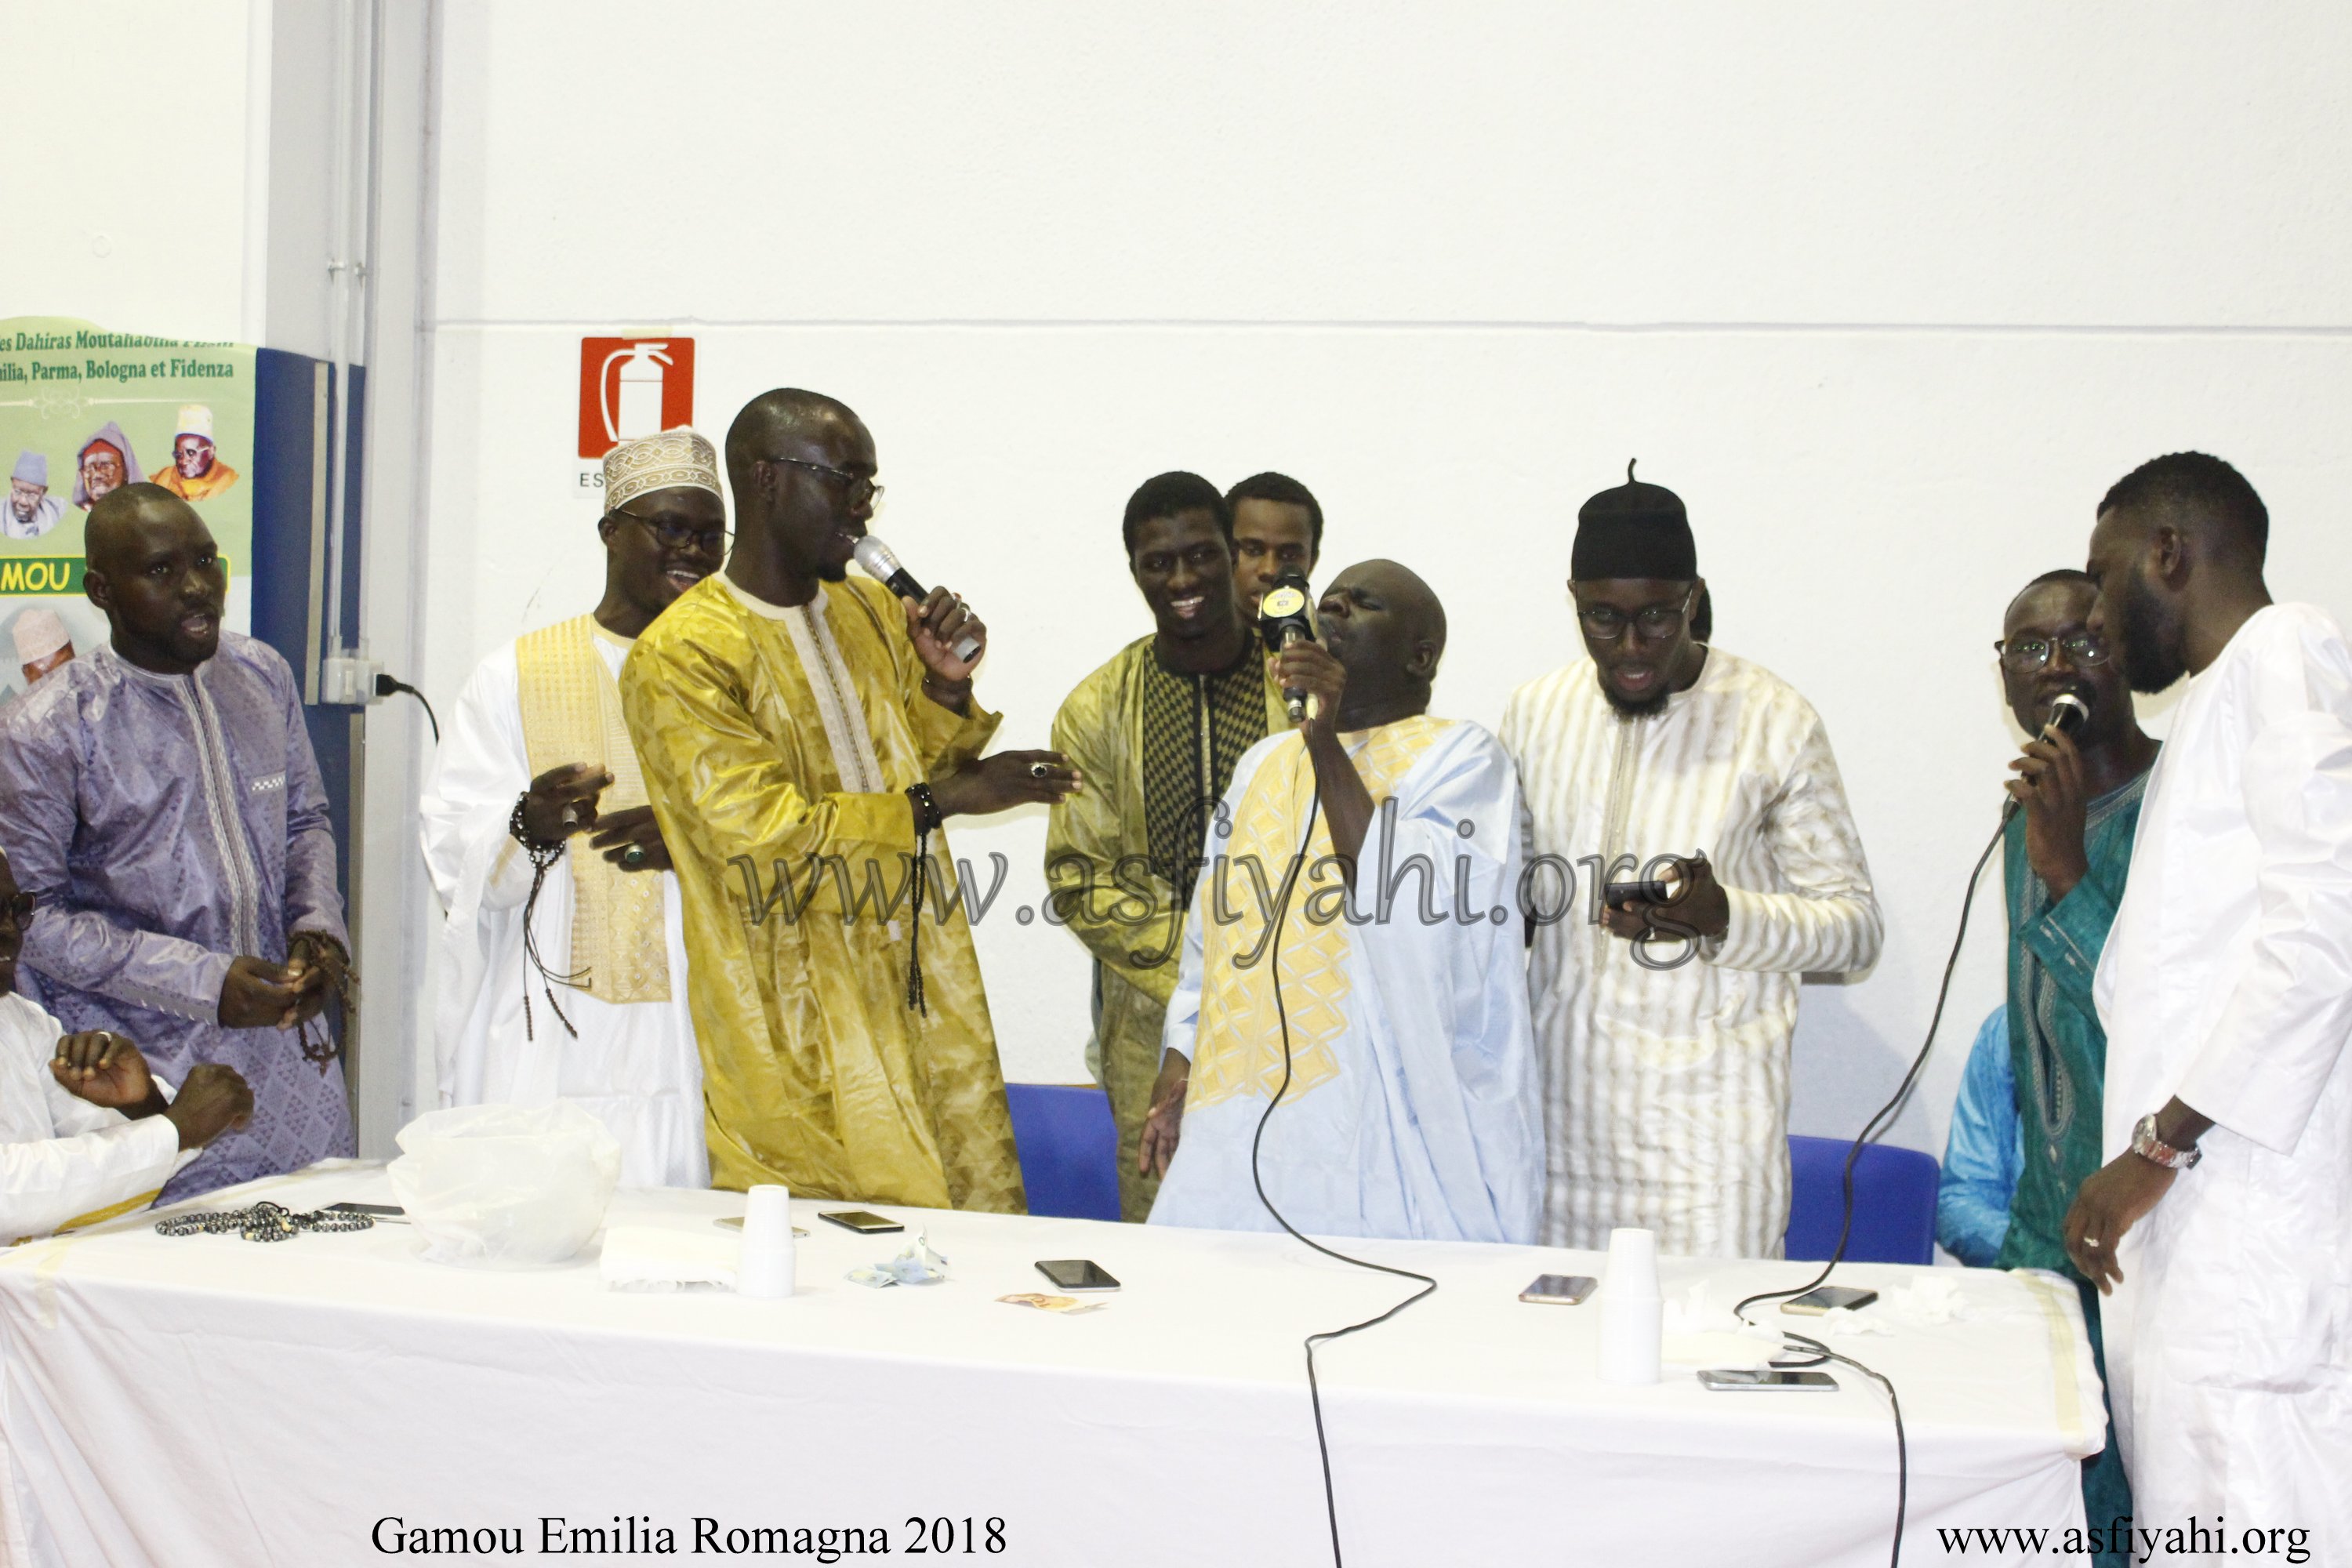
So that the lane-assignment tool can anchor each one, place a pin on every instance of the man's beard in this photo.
(2150, 635)
(1654, 703)
(834, 572)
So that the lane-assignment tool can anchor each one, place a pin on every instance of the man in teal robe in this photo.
(2065, 854)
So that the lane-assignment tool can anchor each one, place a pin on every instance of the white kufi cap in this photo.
(680, 456)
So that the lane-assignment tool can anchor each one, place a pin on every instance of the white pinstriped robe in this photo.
(1666, 1091)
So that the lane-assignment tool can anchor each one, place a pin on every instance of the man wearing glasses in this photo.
(569, 983)
(803, 738)
(2064, 856)
(1663, 1015)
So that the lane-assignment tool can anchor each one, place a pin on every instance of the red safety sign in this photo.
(631, 387)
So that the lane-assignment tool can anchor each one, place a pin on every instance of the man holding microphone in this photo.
(2066, 849)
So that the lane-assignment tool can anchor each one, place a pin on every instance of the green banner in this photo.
(83, 410)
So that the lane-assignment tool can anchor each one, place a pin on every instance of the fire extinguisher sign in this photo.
(631, 387)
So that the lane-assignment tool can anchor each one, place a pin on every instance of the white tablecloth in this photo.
(211, 1401)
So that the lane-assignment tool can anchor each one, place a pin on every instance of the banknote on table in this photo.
(1045, 1303)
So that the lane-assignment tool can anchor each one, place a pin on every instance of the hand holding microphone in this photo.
(1285, 622)
(940, 619)
(2049, 789)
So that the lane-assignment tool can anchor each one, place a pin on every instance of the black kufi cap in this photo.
(1633, 531)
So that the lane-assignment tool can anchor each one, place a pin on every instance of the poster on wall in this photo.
(82, 410)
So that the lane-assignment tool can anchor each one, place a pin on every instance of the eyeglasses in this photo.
(2026, 655)
(856, 489)
(677, 535)
(17, 909)
(1606, 622)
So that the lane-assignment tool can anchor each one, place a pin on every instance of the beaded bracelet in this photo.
(262, 1222)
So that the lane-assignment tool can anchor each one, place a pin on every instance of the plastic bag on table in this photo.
(495, 1186)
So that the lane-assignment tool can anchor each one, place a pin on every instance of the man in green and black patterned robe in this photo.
(1154, 733)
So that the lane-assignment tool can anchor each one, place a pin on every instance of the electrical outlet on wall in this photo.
(348, 680)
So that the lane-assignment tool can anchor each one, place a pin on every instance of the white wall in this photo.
(125, 183)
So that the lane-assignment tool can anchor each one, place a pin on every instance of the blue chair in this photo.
(1069, 1149)
(1894, 1202)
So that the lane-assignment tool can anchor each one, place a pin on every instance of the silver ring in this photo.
(2090, 1241)
(635, 855)
(1039, 769)
(571, 817)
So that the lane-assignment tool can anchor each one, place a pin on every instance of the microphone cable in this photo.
(1876, 1124)
(1257, 1177)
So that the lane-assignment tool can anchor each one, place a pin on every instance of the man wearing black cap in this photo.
(1662, 1022)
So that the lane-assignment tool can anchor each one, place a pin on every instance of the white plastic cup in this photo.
(1633, 1314)
(764, 1266)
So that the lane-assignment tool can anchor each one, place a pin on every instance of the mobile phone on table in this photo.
(1077, 1273)
(381, 1212)
(861, 1221)
(1750, 1379)
(1828, 1298)
(1558, 1290)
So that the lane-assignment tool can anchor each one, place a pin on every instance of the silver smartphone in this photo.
(1077, 1273)
(1828, 1298)
(1558, 1290)
(1749, 1379)
(860, 1221)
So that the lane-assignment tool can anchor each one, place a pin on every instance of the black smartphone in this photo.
(379, 1213)
(1748, 1379)
(860, 1221)
(1829, 1297)
(1077, 1274)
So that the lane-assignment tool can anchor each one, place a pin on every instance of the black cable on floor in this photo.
(1428, 1285)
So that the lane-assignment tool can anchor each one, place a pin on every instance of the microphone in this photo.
(1282, 620)
(883, 567)
(2068, 714)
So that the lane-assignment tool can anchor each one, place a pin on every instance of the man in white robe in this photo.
(1662, 1017)
(1397, 1053)
(2221, 1224)
(577, 991)
(86, 1131)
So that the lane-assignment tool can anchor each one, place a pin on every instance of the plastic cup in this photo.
(764, 1265)
(1632, 1314)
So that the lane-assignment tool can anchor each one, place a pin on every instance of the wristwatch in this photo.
(2148, 1146)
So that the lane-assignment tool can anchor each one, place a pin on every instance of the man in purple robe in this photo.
(160, 798)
